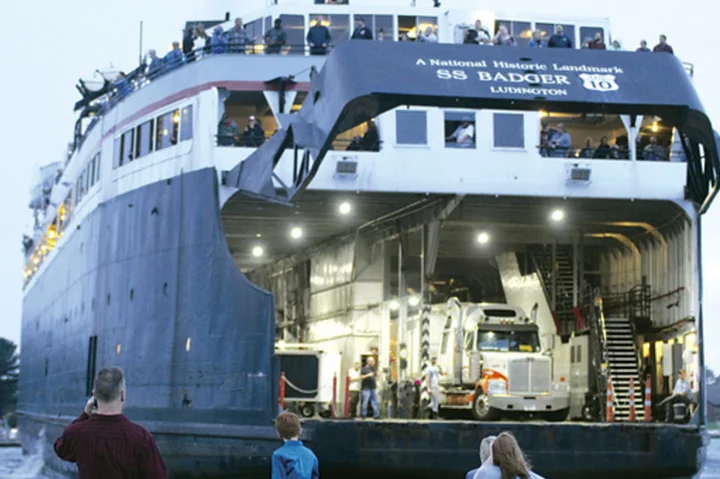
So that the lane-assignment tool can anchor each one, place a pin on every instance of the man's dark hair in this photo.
(108, 384)
(287, 425)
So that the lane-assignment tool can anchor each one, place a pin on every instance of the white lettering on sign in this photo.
(523, 78)
(528, 91)
(452, 75)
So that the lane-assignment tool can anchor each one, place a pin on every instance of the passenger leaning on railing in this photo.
(275, 38)
(228, 132)
(188, 44)
(237, 37)
(153, 63)
(253, 135)
(174, 57)
(202, 38)
(318, 37)
(218, 43)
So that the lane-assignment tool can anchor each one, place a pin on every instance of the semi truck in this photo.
(494, 363)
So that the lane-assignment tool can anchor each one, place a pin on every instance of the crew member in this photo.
(368, 374)
(432, 377)
(681, 394)
(104, 443)
(354, 378)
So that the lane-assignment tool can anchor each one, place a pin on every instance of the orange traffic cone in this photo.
(632, 400)
(648, 400)
(610, 411)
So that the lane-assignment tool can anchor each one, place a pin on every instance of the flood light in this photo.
(557, 215)
(394, 305)
(257, 251)
(413, 301)
(483, 238)
(345, 208)
(296, 233)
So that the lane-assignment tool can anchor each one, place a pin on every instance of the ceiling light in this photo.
(557, 215)
(296, 233)
(413, 301)
(345, 208)
(258, 235)
(655, 127)
(394, 305)
(257, 251)
(483, 238)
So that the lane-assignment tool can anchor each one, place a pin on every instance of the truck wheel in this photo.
(307, 410)
(559, 415)
(481, 410)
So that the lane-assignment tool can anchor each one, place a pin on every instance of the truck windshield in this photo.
(522, 341)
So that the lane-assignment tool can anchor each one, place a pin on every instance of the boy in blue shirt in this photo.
(293, 460)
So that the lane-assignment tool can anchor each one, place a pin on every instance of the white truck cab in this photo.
(494, 363)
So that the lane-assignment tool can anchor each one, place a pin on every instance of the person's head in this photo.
(683, 374)
(502, 30)
(381, 35)
(561, 127)
(663, 39)
(371, 361)
(109, 387)
(643, 44)
(238, 23)
(598, 36)
(508, 456)
(356, 366)
(429, 31)
(433, 361)
(537, 35)
(176, 45)
(189, 31)
(200, 30)
(478, 24)
(252, 121)
(603, 140)
(588, 142)
(359, 22)
(486, 448)
(278, 23)
(152, 53)
(616, 44)
(404, 37)
(288, 426)
(559, 29)
(217, 31)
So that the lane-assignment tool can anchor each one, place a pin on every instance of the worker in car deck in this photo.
(432, 377)
(681, 394)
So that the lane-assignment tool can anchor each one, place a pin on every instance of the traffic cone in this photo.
(610, 409)
(648, 400)
(632, 400)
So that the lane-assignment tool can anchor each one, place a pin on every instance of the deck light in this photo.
(483, 238)
(257, 251)
(345, 208)
(413, 301)
(296, 233)
(394, 305)
(557, 215)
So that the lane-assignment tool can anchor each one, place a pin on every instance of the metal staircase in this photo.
(622, 363)
(556, 274)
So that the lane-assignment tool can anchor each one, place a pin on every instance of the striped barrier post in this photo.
(632, 417)
(347, 396)
(282, 392)
(648, 400)
(334, 396)
(424, 351)
(610, 407)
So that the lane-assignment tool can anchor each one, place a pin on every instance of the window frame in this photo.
(492, 133)
(183, 123)
(427, 130)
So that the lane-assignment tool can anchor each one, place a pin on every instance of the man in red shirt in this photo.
(104, 443)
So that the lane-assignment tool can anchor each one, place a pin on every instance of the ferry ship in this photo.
(388, 178)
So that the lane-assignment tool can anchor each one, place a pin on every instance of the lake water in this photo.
(14, 466)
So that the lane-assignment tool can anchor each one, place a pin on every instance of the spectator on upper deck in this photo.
(503, 37)
(643, 47)
(228, 132)
(361, 31)
(653, 151)
(154, 64)
(254, 135)
(588, 151)
(603, 151)
(536, 40)
(318, 37)
(560, 142)
(188, 44)
(174, 57)
(218, 43)
(597, 43)
(121, 85)
(478, 35)
(380, 35)
(428, 36)
(237, 37)
(202, 37)
(371, 139)
(663, 46)
(616, 46)
(463, 135)
(559, 39)
(545, 135)
(404, 37)
(275, 38)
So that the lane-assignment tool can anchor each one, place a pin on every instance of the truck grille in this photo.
(529, 375)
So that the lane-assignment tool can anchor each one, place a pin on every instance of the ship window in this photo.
(411, 127)
(459, 129)
(268, 24)
(127, 147)
(508, 130)
(117, 152)
(186, 123)
(578, 352)
(144, 139)
(294, 25)
(521, 31)
(254, 29)
(97, 168)
(380, 23)
(548, 29)
(572, 354)
(87, 178)
(91, 168)
(339, 28)
(167, 130)
(587, 34)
